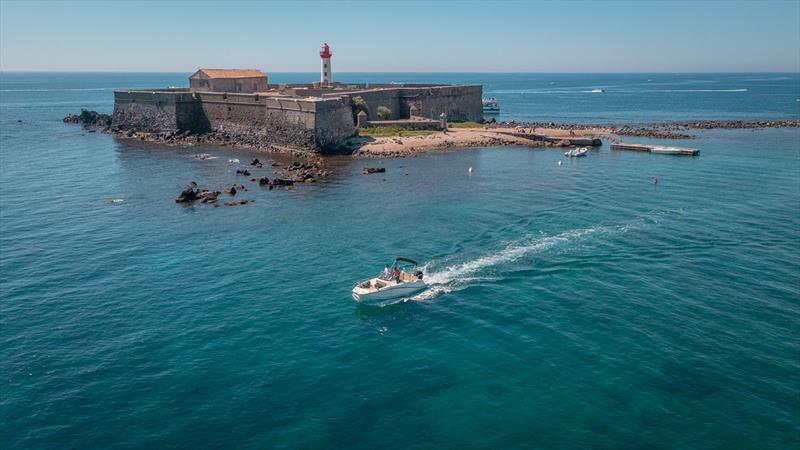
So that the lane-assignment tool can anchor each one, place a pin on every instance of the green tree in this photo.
(358, 104)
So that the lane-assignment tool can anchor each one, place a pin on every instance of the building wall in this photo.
(461, 103)
(261, 120)
(243, 85)
(314, 124)
(146, 111)
(334, 124)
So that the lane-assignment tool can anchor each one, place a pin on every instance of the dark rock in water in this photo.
(240, 187)
(264, 181)
(239, 202)
(231, 190)
(89, 118)
(208, 196)
(187, 196)
(256, 163)
(244, 172)
(368, 170)
(282, 182)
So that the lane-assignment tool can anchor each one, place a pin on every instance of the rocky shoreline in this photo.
(657, 130)
(405, 147)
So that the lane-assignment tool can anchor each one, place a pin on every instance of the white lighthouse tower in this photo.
(325, 69)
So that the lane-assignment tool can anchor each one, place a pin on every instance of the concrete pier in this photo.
(661, 149)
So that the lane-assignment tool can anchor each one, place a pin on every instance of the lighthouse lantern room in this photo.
(325, 70)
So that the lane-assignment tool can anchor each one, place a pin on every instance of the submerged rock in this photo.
(368, 170)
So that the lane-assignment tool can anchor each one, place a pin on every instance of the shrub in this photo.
(384, 113)
(358, 104)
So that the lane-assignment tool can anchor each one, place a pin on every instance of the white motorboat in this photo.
(383, 289)
(577, 152)
(490, 105)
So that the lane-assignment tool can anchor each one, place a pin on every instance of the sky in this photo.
(408, 36)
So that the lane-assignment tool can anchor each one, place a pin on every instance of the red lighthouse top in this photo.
(326, 51)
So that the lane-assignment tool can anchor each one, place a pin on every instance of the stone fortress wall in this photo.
(297, 117)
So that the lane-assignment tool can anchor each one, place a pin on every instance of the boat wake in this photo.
(458, 276)
(704, 90)
(462, 275)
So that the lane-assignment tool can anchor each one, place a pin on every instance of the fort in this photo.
(317, 117)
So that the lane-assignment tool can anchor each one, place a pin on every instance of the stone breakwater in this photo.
(665, 130)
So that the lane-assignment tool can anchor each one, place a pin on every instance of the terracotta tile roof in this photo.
(231, 73)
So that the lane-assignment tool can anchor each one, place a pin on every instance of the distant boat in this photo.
(597, 90)
(490, 106)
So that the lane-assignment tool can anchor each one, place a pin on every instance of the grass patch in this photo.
(465, 125)
(391, 132)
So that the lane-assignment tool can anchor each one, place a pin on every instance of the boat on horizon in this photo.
(380, 290)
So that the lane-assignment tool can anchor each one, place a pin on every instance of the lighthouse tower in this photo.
(325, 70)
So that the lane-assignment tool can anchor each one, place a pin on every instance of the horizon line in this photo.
(417, 72)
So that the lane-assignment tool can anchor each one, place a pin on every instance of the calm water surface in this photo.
(571, 306)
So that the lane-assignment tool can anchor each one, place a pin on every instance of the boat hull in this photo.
(387, 294)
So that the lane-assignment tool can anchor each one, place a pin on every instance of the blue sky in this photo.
(410, 36)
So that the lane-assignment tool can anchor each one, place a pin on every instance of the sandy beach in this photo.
(458, 138)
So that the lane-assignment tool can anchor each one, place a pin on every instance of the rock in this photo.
(231, 190)
(89, 119)
(243, 172)
(240, 187)
(368, 170)
(282, 182)
(208, 196)
(239, 202)
(187, 196)
(264, 181)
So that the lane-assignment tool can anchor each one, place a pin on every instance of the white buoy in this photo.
(559, 162)
(470, 170)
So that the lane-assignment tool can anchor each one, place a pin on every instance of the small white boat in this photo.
(490, 105)
(577, 152)
(666, 150)
(382, 289)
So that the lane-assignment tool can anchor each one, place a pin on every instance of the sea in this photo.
(572, 305)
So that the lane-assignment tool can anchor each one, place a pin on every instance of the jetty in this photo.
(583, 141)
(661, 149)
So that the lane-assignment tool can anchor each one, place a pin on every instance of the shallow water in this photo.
(573, 306)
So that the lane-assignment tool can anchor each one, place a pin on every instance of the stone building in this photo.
(228, 80)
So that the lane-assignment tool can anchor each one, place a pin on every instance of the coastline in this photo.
(502, 134)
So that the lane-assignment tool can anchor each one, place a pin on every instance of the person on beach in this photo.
(396, 274)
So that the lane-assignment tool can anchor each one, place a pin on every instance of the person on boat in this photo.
(396, 274)
(386, 272)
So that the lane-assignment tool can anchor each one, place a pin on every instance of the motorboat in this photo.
(382, 289)
(577, 152)
(490, 105)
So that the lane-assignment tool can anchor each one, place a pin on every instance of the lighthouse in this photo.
(325, 70)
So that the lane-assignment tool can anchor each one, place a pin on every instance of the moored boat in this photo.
(490, 105)
(577, 152)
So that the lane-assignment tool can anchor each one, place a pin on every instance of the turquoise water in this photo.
(571, 306)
